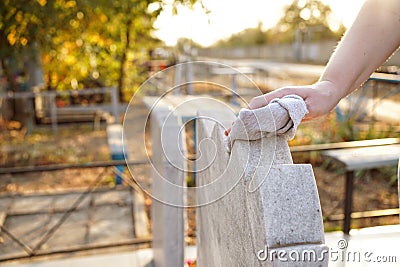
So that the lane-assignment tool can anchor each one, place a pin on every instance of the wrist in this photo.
(331, 90)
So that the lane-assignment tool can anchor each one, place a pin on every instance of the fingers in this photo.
(320, 98)
(308, 93)
(263, 100)
(257, 102)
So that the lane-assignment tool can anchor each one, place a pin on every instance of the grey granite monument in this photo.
(271, 217)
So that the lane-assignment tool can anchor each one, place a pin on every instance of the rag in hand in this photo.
(280, 117)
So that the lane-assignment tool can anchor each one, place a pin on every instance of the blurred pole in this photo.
(114, 104)
(189, 77)
(178, 78)
(297, 45)
(35, 80)
(116, 145)
(30, 115)
(53, 112)
(234, 91)
(398, 184)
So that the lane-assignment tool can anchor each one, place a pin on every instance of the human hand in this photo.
(320, 98)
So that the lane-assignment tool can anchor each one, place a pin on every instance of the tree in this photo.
(247, 37)
(305, 19)
(80, 41)
(26, 25)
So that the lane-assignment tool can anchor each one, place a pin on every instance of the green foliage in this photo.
(331, 130)
(306, 20)
(82, 43)
(247, 37)
(23, 25)
(70, 145)
(183, 44)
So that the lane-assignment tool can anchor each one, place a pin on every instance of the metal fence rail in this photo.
(39, 247)
(57, 167)
(45, 102)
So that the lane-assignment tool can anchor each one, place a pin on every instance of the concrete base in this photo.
(380, 241)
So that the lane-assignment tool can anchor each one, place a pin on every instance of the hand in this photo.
(320, 98)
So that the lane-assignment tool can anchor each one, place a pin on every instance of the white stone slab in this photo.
(168, 180)
(274, 203)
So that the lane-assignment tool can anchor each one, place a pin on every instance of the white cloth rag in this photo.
(281, 117)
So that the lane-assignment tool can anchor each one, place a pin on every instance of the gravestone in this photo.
(271, 217)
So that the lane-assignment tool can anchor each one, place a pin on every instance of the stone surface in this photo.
(72, 231)
(101, 222)
(274, 203)
(141, 222)
(381, 240)
(112, 197)
(25, 205)
(292, 213)
(104, 217)
(168, 115)
(168, 180)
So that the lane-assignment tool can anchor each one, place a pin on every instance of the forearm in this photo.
(373, 37)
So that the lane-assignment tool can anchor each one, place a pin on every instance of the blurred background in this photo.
(69, 69)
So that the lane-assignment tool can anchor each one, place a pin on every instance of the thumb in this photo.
(263, 100)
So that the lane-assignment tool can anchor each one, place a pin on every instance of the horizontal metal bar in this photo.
(385, 77)
(64, 192)
(77, 108)
(57, 167)
(77, 248)
(365, 214)
(61, 210)
(350, 144)
(371, 164)
(87, 91)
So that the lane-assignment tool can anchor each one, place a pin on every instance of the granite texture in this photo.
(274, 203)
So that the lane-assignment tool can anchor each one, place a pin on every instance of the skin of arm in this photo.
(368, 43)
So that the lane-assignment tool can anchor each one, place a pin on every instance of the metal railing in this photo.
(46, 104)
(38, 248)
